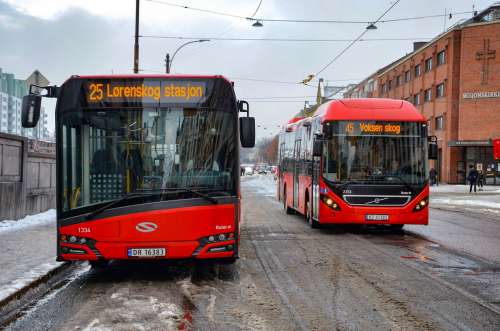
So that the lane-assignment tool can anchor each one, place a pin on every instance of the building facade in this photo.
(12, 91)
(454, 81)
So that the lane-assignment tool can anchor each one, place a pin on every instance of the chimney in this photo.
(418, 44)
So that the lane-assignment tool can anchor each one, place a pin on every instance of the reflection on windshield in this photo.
(366, 159)
(108, 153)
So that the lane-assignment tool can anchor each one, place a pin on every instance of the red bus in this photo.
(147, 166)
(357, 161)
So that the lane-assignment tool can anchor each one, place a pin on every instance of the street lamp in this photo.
(168, 60)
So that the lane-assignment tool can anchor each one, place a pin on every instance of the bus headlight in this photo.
(330, 202)
(421, 204)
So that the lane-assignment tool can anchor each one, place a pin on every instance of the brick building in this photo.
(454, 80)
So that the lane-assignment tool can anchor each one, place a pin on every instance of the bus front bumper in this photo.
(120, 251)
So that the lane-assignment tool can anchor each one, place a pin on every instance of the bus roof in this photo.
(139, 76)
(369, 109)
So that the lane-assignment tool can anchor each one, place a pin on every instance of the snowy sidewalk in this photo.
(457, 197)
(27, 251)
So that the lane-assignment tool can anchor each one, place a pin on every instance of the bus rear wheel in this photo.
(288, 210)
(312, 223)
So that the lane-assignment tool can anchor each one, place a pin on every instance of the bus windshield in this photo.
(371, 152)
(110, 152)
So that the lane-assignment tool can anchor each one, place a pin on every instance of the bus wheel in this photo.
(288, 210)
(397, 227)
(312, 223)
(98, 265)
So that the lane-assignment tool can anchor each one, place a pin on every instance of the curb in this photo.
(40, 280)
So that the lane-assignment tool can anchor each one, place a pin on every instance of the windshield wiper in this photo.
(201, 195)
(115, 202)
(147, 193)
(349, 182)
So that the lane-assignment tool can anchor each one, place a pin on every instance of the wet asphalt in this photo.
(291, 277)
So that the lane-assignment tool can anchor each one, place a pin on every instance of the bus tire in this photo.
(288, 210)
(98, 264)
(226, 261)
(397, 227)
(312, 223)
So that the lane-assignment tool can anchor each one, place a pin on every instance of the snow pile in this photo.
(479, 204)
(263, 185)
(445, 188)
(28, 278)
(44, 218)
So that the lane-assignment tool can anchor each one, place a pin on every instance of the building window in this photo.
(407, 76)
(439, 123)
(389, 85)
(417, 70)
(384, 88)
(441, 58)
(428, 95)
(440, 90)
(416, 99)
(398, 80)
(428, 64)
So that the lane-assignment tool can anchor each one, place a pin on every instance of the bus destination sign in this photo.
(371, 128)
(146, 91)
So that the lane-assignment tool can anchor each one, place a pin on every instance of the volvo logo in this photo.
(146, 227)
(376, 200)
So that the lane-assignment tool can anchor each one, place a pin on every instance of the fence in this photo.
(27, 176)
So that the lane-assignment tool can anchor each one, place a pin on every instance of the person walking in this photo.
(480, 180)
(433, 176)
(472, 178)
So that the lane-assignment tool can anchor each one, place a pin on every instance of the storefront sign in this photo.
(496, 151)
(460, 143)
(481, 95)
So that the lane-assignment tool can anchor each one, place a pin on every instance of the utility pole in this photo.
(167, 63)
(136, 44)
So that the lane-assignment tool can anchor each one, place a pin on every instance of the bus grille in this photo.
(377, 200)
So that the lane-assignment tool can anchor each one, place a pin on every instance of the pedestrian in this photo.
(472, 178)
(433, 176)
(480, 180)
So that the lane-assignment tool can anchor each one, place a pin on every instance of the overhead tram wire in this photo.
(252, 18)
(355, 40)
(279, 39)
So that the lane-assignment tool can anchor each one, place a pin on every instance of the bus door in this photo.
(296, 172)
(315, 186)
(280, 171)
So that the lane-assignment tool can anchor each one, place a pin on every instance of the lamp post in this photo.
(136, 39)
(168, 60)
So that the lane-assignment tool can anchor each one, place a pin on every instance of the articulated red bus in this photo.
(358, 161)
(147, 166)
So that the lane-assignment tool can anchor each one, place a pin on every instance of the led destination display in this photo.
(146, 91)
(371, 128)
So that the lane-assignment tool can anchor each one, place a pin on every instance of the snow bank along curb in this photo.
(467, 203)
(36, 277)
(39, 219)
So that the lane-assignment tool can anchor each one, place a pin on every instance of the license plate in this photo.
(377, 217)
(146, 252)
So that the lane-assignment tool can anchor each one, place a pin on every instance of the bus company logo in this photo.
(146, 227)
(376, 201)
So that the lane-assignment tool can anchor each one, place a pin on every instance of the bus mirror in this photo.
(318, 148)
(433, 151)
(327, 130)
(247, 131)
(30, 111)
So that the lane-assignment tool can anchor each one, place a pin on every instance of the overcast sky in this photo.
(65, 37)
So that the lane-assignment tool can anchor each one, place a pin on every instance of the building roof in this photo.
(483, 16)
(37, 78)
